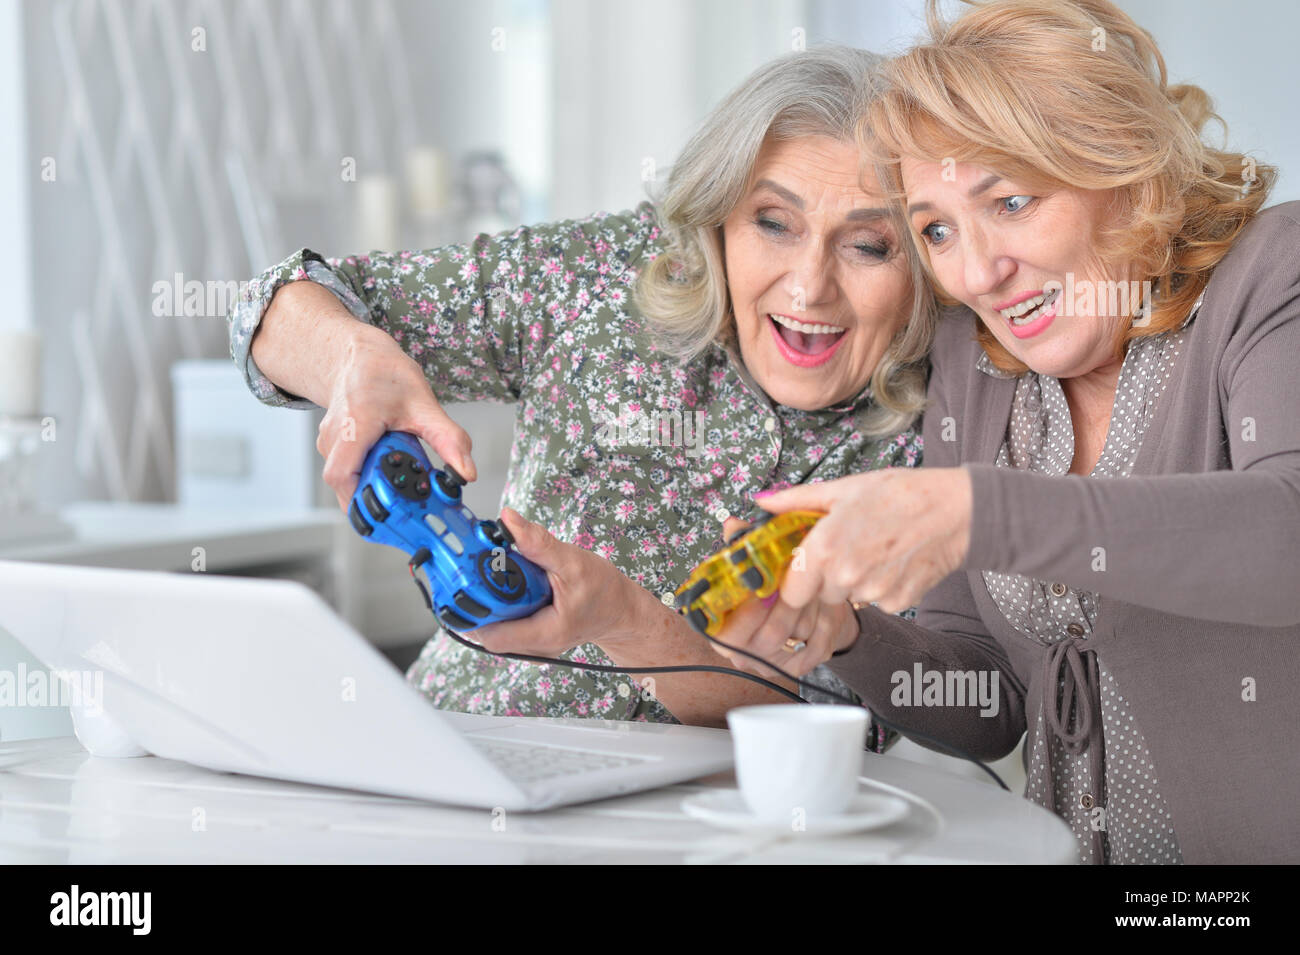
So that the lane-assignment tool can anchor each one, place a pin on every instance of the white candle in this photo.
(377, 214)
(427, 180)
(20, 372)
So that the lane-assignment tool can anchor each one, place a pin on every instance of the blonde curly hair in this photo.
(1074, 94)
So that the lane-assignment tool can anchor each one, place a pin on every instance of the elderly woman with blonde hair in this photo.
(1108, 519)
(764, 324)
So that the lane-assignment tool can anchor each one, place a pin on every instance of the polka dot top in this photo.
(1086, 758)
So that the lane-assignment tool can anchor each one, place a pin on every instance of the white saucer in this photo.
(727, 808)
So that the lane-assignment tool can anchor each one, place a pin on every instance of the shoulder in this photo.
(1265, 258)
(617, 238)
(954, 336)
(1255, 288)
(955, 352)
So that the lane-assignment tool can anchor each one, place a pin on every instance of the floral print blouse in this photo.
(618, 448)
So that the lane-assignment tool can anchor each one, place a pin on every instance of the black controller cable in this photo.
(420, 557)
(752, 677)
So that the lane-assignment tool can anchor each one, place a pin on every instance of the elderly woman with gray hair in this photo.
(766, 317)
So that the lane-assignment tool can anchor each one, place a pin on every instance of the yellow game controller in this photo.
(752, 564)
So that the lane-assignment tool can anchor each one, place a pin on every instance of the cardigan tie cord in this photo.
(1079, 692)
(1072, 667)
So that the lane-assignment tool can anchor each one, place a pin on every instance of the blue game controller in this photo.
(472, 575)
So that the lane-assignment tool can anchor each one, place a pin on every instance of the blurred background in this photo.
(156, 154)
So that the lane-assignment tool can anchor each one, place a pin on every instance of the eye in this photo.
(771, 225)
(1015, 203)
(935, 233)
(878, 251)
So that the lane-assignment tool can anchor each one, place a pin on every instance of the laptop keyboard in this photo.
(529, 762)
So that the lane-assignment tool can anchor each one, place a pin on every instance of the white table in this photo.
(58, 804)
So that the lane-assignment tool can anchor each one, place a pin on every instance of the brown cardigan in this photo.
(1200, 596)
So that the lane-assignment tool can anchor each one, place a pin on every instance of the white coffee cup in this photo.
(797, 758)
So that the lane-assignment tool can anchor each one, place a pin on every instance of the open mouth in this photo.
(803, 343)
(1031, 309)
(1033, 314)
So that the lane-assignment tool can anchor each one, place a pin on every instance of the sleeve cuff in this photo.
(247, 317)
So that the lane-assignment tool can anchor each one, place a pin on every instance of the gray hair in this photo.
(824, 91)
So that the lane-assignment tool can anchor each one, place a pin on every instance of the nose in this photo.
(811, 280)
(986, 267)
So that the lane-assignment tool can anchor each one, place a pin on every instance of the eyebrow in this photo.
(984, 185)
(852, 215)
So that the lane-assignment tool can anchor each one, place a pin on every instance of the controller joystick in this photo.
(449, 481)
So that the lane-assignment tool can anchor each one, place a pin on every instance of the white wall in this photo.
(632, 80)
(1244, 56)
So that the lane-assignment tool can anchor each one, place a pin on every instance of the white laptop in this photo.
(262, 677)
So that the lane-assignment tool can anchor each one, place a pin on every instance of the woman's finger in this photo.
(805, 575)
(449, 440)
(802, 497)
(343, 461)
(542, 634)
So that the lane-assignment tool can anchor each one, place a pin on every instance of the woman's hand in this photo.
(887, 538)
(772, 629)
(592, 600)
(377, 388)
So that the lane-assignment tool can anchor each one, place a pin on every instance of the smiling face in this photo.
(1025, 261)
(819, 285)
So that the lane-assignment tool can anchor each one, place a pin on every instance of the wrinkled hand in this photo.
(762, 627)
(592, 600)
(887, 538)
(379, 389)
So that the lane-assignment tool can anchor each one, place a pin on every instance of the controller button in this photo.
(399, 480)
(435, 524)
(358, 522)
(468, 604)
(452, 541)
(416, 466)
(739, 556)
(395, 459)
(421, 556)
(454, 621)
(452, 476)
(377, 510)
(752, 578)
(692, 594)
(422, 488)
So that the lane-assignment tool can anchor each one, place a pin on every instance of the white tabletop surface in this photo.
(162, 536)
(58, 804)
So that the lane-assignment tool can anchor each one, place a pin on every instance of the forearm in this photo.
(662, 638)
(304, 337)
(1221, 545)
(881, 667)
